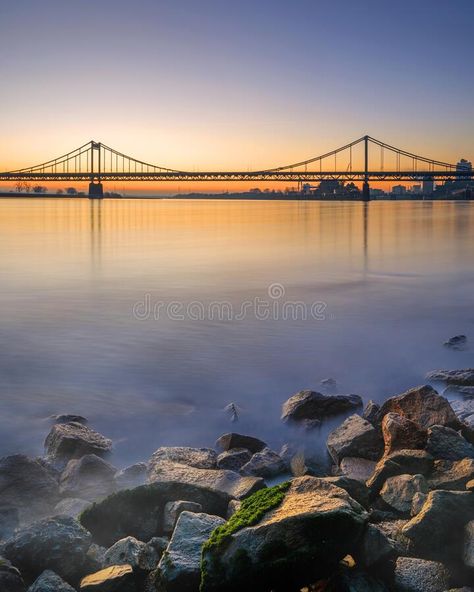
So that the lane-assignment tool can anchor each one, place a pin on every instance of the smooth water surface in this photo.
(150, 316)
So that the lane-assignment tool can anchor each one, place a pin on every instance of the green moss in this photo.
(251, 511)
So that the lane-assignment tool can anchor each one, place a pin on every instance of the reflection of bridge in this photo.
(95, 162)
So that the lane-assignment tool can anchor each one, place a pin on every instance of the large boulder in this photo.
(89, 477)
(179, 569)
(453, 475)
(116, 578)
(436, 532)
(375, 547)
(417, 575)
(139, 512)
(27, 486)
(357, 468)
(422, 405)
(10, 577)
(400, 433)
(398, 492)
(199, 458)
(58, 543)
(174, 509)
(127, 551)
(309, 405)
(355, 437)
(234, 459)
(232, 440)
(49, 581)
(283, 537)
(402, 462)
(460, 377)
(264, 464)
(445, 443)
(73, 440)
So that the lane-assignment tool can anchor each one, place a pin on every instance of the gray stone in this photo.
(152, 553)
(199, 458)
(468, 555)
(116, 578)
(131, 476)
(71, 506)
(375, 547)
(356, 468)
(232, 440)
(179, 569)
(174, 509)
(447, 444)
(458, 342)
(233, 460)
(417, 575)
(453, 475)
(264, 464)
(71, 440)
(313, 405)
(355, 437)
(464, 410)
(49, 581)
(356, 489)
(402, 462)
(89, 477)
(95, 556)
(417, 503)
(127, 551)
(10, 577)
(371, 412)
(460, 377)
(398, 491)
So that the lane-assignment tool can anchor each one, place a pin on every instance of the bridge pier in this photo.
(96, 190)
(365, 191)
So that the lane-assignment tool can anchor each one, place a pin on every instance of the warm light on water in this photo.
(394, 281)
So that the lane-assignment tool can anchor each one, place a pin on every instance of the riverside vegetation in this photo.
(393, 513)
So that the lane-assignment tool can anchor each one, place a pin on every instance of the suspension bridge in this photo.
(363, 160)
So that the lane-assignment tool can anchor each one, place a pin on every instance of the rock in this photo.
(264, 464)
(328, 383)
(470, 485)
(464, 411)
(417, 575)
(127, 551)
(434, 533)
(59, 543)
(27, 486)
(400, 433)
(458, 342)
(95, 555)
(283, 537)
(398, 491)
(453, 475)
(422, 405)
(139, 512)
(371, 412)
(313, 405)
(357, 581)
(71, 440)
(356, 468)
(233, 460)
(445, 443)
(417, 503)
(233, 440)
(49, 581)
(356, 489)
(393, 530)
(199, 458)
(9, 521)
(375, 547)
(402, 462)
(468, 555)
(179, 567)
(117, 578)
(233, 507)
(131, 476)
(88, 477)
(10, 577)
(68, 418)
(71, 506)
(355, 437)
(459, 377)
(174, 509)
(152, 553)
(453, 389)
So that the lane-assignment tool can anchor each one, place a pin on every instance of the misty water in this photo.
(150, 316)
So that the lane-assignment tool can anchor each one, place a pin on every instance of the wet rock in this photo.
(9, 521)
(284, 537)
(233, 460)
(417, 575)
(117, 578)
(398, 492)
(375, 547)
(468, 555)
(355, 437)
(417, 503)
(434, 533)
(27, 486)
(59, 543)
(199, 458)
(233, 440)
(127, 551)
(131, 476)
(371, 412)
(459, 377)
(179, 569)
(447, 444)
(10, 577)
(422, 405)
(360, 469)
(71, 440)
(88, 477)
(400, 433)
(49, 581)
(313, 405)
(264, 464)
(452, 475)
(458, 342)
(174, 509)
(71, 506)
(402, 462)
(68, 418)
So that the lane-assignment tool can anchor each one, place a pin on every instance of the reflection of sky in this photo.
(236, 85)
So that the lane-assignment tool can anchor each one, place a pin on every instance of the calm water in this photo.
(81, 281)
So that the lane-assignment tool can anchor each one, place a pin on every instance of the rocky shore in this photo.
(393, 513)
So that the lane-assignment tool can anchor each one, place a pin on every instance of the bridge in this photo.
(363, 160)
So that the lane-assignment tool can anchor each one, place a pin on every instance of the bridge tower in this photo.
(365, 184)
(96, 189)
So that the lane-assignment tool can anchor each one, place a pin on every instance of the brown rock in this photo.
(400, 433)
(452, 475)
(402, 462)
(233, 440)
(357, 468)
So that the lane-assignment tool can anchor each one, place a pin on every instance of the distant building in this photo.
(416, 189)
(428, 187)
(399, 190)
(376, 192)
(464, 166)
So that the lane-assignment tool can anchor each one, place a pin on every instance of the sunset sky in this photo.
(209, 85)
